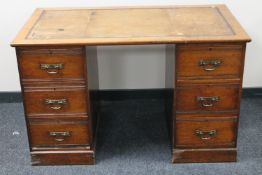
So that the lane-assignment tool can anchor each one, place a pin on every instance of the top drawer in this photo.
(208, 61)
(51, 63)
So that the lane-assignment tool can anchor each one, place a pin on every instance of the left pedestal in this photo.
(60, 103)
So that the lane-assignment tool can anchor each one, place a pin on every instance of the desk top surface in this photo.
(130, 25)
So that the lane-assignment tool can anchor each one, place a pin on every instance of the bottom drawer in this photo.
(59, 133)
(205, 133)
(80, 157)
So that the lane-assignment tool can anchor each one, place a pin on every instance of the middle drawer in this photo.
(55, 100)
(197, 98)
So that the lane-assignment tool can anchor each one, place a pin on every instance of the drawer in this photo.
(52, 63)
(197, 98)
(206, 133)
(59, 133)
(55, 100)
(206, 61)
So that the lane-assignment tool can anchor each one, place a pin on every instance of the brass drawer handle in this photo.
(208, 101)
(210, 65)
(61, 135)
(56, 107)
(52, 68)
(205, 135)
(55, 101)
(59, 102)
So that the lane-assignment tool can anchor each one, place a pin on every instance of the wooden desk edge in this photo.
(241, 35)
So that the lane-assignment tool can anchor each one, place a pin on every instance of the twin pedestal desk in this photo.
(56, 53)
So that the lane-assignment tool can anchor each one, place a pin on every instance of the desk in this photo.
(56, 53)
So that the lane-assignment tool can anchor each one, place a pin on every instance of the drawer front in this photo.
(207, 98)
(55, 134)
(58, 63)
(55, 101)
(206, 133)
(203, 61)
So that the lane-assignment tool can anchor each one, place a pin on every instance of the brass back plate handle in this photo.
(52, 68)
(210, 65)
(55, 104)
(60, 136)
(208, 101)
(55, 101)
(205, 135)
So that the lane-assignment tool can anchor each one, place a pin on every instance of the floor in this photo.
(133, 140)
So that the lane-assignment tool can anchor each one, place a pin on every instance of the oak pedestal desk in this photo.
(56, 53)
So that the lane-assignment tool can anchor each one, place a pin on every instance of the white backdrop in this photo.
(130, 67)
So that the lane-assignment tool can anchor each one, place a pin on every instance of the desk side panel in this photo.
(93, 87)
